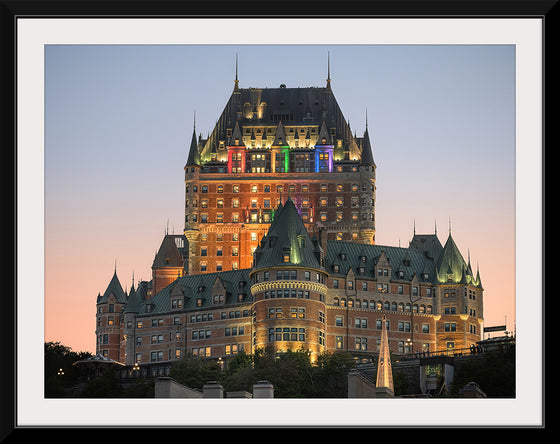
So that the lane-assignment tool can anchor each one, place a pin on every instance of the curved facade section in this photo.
(289, 309)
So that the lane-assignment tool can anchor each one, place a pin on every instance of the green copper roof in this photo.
(196, 291)
(287, 242)
(451, 267)
(133, 303)
(363, 258)
(114, 288)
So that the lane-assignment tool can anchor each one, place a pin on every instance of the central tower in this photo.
(268, 145)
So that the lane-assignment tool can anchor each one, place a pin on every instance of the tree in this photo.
(330, 375)
(194, 372)
(59, 369)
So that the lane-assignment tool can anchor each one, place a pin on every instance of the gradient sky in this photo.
(119, 120)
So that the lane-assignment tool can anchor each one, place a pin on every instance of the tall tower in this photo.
(268, 144)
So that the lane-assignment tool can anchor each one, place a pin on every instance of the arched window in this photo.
(336, 302)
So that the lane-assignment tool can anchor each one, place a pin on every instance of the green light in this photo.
(286, 151)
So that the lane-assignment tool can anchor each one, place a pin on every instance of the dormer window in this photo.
(336, 268)
(286, 257)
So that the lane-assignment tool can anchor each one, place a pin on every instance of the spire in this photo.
(328, 70)
(236, 87)
(367, 152)
(384, 384)
(193, 158)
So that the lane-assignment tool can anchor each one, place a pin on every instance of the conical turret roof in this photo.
(287, 242)
(114, 288)
(451, 264)
(193, 158)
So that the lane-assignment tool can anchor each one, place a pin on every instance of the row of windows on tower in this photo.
(266, 188)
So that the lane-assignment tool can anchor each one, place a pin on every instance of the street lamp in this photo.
(60, 372)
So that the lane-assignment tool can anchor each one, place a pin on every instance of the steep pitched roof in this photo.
(428, 244)
(193, 158)
(287, 235)
(168, 254)
(363, 258)
(133, 302)
(197, 291)
(114, 288)
(367, 152)
(451, 267)
(307, 106)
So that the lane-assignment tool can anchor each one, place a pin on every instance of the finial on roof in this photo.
(328, 69)
(435, 227)
(414, 227)
(236, 88)
(366, 119)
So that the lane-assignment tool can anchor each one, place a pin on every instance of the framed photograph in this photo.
(105, 99)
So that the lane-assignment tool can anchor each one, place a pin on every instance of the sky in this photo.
(118, 125)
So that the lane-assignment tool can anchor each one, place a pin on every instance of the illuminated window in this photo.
(204, 188)
(220, 203)
(286, 257)
(220, 189)
(339, 187)
(339, 217)
(253, 236)
(323, 217)
(339, 342)
(339, 201)
(254, 188)
(236, 188)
